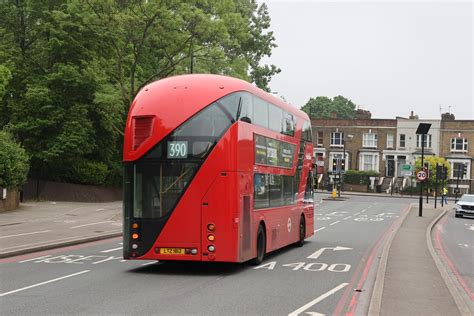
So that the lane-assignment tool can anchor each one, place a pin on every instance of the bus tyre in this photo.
(261, 245)
(300, 242)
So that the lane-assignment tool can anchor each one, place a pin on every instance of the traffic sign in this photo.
(406, 168)
(422, 175)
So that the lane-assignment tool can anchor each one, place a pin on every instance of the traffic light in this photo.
(439, 172)
(464, 170)
(445, 173)
(334, 164)
(343, 164)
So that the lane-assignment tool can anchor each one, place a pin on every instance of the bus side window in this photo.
(288, 124)
(260, 112)
(246, 110)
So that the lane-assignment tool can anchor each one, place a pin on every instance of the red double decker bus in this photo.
(215, 170)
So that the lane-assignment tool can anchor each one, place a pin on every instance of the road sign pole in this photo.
(420, 210)
(436, 184)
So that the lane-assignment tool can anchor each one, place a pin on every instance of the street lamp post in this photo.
(422, 129)
(346, 166)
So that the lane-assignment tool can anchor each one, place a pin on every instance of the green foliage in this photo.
(69, 69)
(323, 107)
(432, 161)
(359, 177)
(14, 163)
(89, 172)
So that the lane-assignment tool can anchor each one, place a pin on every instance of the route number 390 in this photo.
(178, 149)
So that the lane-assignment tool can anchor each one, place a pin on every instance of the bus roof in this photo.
(171, 101)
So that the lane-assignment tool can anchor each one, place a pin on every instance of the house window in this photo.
(459, 144)
(389, 140)
(336, 139)
(320, 139)
(369, 140)
(457, 168)
(369, 162)
(402, 140)
(427, 140)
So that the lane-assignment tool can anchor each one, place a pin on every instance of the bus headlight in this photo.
(211, 248)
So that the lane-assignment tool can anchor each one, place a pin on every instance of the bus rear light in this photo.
(194, 251)
(135, 236)
(211, 248)
(142, 129)
(134, 225)
(211, 237)
(211, 227)
(134, 246)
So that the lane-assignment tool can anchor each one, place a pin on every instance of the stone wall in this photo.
(11, 202)
(56, 191)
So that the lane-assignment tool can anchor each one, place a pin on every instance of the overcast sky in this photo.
(388, 57)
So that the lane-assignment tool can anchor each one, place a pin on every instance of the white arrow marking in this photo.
(315, 314)
(318, 253)
(318, 299)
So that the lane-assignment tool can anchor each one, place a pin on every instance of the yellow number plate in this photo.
(172, 251)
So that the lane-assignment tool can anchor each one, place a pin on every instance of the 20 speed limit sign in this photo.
(422, 175)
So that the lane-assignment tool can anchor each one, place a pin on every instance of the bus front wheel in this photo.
(300, 242)
(261, 245)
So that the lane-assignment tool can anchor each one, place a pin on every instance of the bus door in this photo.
(220, 219)
(245, 216)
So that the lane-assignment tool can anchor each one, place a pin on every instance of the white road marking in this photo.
(43, 231)
(357, 213)
(315, 314)
(100, 209)
(317, 230)
(43, 283)
(110, 250)
(148, 263)
(91, 224)
(334, 223)
(35, 258)
(347, 217)
(363, 210)
(317, 253)
(318, 299)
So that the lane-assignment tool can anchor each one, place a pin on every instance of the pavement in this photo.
(409, 280)
(37, 226)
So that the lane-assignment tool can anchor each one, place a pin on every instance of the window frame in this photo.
(464, 144)
(369, 143)
(333, 138)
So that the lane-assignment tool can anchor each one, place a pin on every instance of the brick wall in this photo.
(11, 202)
(356, 128)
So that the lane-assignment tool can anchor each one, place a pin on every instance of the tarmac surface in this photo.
(409, 281)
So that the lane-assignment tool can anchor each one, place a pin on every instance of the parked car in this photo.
(465, 206)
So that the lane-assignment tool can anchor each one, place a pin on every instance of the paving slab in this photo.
(413, 284)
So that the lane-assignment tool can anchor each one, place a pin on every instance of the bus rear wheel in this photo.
(300, 242)
(261, 245)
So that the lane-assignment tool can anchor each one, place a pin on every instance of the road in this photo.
(332, 273)
(453, 239)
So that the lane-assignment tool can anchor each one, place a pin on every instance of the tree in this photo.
(323, 107)
(69, 69)
(432, 161)
(13, 162)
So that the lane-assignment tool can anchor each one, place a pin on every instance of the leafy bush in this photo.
(359, 177)
(89, 172)
(14, 162)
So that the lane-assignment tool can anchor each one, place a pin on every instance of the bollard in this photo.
(334, 194)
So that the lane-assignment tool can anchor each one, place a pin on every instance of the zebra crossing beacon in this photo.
(215, 170)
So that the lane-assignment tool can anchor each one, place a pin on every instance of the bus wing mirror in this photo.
(246, 119)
